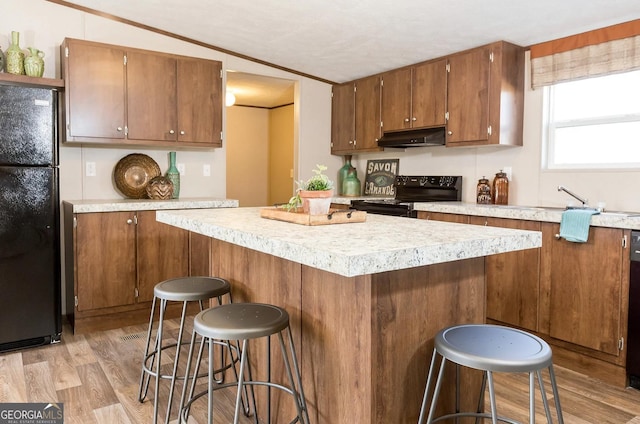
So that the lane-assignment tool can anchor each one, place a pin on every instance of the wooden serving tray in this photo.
(335, 216)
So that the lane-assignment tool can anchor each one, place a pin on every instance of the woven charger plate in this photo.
(133, 172)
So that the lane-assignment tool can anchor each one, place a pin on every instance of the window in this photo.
(594, 123)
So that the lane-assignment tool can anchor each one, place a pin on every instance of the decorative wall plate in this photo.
(133, 172)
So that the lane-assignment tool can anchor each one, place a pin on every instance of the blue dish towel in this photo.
(574, 225)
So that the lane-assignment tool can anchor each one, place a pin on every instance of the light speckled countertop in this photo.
(125, 205)
(382, 243)
(625, 220)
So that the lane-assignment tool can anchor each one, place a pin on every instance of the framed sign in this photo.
(381, 173)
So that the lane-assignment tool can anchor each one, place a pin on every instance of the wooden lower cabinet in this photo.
(512, 279)
(574, 295)
(447, 217)
(584, 292)
(113, 260)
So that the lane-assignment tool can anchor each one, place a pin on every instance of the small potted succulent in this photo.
(313, 194)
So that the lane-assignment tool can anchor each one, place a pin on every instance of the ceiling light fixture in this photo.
(230, 99)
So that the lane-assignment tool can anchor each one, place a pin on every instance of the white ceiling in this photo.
(342, 40)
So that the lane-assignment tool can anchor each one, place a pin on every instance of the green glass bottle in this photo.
(351, 184)
(174, 175)
(342, 174)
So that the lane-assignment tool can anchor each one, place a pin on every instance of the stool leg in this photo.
(243, 362)
(481, 400)
(185, 412)
(298, 393)
(163, 307)
(492, 398)
(175, 363)
(145, 376)
(532, 397)
(245, 402)
(556, 395)
(423, 408)
(436, 390)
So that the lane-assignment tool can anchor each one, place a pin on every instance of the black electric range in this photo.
(411, 189)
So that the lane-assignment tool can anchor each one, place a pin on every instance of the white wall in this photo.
(530, 185)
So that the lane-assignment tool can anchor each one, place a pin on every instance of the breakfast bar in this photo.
(365, 299)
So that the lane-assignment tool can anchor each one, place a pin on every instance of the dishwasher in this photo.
(633, 335)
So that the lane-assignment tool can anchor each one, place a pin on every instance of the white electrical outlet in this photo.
(181, 168)
(206, 170)
(507, 170)
(90, 169)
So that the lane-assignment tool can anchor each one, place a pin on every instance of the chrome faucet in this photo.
(585, 202)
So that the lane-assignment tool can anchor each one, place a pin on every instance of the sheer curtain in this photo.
(599, 52)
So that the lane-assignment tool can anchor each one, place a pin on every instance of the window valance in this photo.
(599, 52)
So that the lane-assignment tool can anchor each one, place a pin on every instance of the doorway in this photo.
(260, 139)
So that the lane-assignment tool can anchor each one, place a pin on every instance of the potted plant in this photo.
(313, 194)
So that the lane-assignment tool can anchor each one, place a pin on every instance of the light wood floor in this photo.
(96, 376)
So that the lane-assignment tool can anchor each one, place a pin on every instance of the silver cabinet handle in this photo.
(450, 132)
(414, 119)
(182, 132)
(172, 132)
(557, 236)
(129, 221)
(406, 119)
(350, 141)
(119, 129)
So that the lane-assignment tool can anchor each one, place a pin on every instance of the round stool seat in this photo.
(241, 321)
(186, 289)
(493, 348)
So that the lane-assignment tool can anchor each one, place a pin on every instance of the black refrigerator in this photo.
(30, 301)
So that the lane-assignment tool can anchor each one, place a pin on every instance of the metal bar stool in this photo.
(185, 290)
(243, 322)
(491, 348)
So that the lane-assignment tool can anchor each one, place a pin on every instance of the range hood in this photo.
(413, 138)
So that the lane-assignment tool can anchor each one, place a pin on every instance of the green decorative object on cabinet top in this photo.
(15, 55)
(34, 63)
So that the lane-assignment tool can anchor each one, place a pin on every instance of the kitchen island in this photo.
(365, 299)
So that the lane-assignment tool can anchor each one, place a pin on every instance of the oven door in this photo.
(400, 209)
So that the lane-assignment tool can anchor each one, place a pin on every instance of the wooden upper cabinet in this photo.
(429, 94)
(485, 96)
(414, 97)
(167, 98)
(199, 93)
(355, 116)
(396, 100)
(95, 93)
(151, 97)
(367, 114)
(343, 117)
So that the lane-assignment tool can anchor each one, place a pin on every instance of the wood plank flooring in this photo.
(97, 375)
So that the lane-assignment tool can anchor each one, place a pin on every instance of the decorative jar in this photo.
(351, 184)
(501, 189)
(483, 192)
(342, 173)
(34, 63)
(15, 56)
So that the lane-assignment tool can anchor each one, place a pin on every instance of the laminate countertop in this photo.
(382, 243)
(126, 205)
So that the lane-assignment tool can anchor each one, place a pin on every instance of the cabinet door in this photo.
(446, 217)
(367, 113)
(582, 283)
(163, 253)
(199, 102)
(429, 94)
(468, 96)
(95, 91)
(513, 281)
(151, 97)
(342, 118)
(396, 100)
(105, 245)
